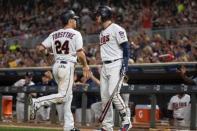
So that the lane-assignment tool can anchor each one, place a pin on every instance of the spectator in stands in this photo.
(145, 50)
(28, 22)
(194, 52)
(3, 47)
(15, 46)
(27, 81)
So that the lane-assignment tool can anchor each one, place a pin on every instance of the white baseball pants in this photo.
(110, 75)
(63, 73)
(20, 111)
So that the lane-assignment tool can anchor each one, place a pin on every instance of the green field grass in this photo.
(26, 129)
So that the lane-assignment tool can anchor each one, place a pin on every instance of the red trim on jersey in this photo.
(102, 44)
(43, 46)
(107, 26)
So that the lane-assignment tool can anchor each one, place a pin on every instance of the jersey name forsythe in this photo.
(63, 34)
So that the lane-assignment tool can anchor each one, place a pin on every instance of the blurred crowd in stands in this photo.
(36, 17)
(28, 19)
(143, 50)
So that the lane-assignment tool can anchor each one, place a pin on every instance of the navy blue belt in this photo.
(63, 62)
(109, 61)
(179, 119)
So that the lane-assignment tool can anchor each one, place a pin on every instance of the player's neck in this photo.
(67, 27)
(181, 95)
(107, 24)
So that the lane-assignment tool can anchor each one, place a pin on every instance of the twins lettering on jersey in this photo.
(104, 39)
(177, 105)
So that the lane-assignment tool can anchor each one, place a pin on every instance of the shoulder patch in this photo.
(121, 33)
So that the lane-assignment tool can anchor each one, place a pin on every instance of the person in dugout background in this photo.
(179, 105)
(27, 81)
(43, 114)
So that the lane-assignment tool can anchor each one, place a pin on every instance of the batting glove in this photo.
(123, 69)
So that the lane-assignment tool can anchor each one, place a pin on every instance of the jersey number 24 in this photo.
(62, 48)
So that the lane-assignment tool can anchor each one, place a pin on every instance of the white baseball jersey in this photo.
(20, 100)
(21, 82)
(110, 38)
(64, 43)
(178, 105)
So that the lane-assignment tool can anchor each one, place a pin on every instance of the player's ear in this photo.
(69, 21)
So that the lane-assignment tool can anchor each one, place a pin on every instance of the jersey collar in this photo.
(107, 25)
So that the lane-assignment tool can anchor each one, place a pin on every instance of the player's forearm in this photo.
(82, 58)
(186, 79)
(41, 49)
(126, 52)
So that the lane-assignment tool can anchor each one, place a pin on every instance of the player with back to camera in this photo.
(114, 49)
(67, 45)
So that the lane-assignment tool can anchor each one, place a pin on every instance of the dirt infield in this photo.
(11, 126)
(44, 127)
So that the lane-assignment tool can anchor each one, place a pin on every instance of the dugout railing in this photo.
(151, 90)
(157, 73)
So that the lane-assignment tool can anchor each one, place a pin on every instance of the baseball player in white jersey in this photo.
(20, 96)
(114, 49)
(67, 45)
(178, 105)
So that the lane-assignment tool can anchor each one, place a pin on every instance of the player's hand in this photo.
(123, 70)
(86, 71)
(182, 70)
(48, 74)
